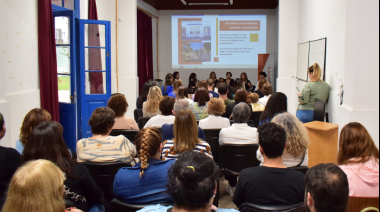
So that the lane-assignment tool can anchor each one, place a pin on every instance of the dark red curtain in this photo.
(144, 48)
(47, 58)
(94, 54)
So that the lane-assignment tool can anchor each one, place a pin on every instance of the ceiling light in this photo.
(208, 4)
(184, 2)
(232, 2)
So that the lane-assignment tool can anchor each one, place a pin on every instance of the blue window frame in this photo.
(71, 5)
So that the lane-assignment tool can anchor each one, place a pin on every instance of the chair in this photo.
(104, 175)
(255, 117)
(130, 134)
(138, 114)
(302, 169)
(357, 204)
(251, 123)
(248, 207)
(319, 110)
(235, 158)
(212, 138)
(118, 205)
(142, 122)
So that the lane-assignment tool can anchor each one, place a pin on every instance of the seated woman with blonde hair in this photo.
(118, 103)
(216, 108)
(185, 137)
(36, 187)
(152, 106)
(297, 141)
(358, 157)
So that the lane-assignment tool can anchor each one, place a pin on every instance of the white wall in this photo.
(352, 31)
(19, 79)
(165, 43)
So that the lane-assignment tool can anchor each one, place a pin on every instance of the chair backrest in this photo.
(118, 206)
(142, 122)
(356, 204)
(248, 207)
(255, 117)
(319, 110)
(130, 134)
(238, 157)
(210, 134)
(104, 174)
(138, 114)
(302, 169)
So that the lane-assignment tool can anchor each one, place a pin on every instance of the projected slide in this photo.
(218, 41)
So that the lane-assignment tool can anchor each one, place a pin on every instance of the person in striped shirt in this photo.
(101, 147)
(185, 137)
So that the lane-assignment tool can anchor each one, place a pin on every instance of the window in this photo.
(68, 4)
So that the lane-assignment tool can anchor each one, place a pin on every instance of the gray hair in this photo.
(181, 104)
(241, 113)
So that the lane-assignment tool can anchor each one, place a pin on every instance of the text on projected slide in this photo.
(228, 41)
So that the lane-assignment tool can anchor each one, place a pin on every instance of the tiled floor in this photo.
(225, 200)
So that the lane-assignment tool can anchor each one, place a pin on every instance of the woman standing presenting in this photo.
(315, 89)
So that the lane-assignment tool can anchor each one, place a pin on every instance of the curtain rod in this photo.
(147, 13)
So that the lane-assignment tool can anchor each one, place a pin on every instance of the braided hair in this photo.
(148, 142)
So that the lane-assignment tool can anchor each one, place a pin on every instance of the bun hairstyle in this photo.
(316, 71)
(192, 180)
(148, 141)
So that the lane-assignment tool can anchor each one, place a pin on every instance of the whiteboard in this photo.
(318, 54)
(303, 61)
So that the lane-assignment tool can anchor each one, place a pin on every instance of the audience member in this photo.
(240, 96)
(151, 106)
(182, 94)
(297, 141)
(176, 85)
(261, 83)
(36, 186)
(237, 85)
(192, 87)
(211, 85)
(144, 94)
(216, 108)
(166, 108)
(31, 120)
(168, 88)
(176, 75)
(359, 159)
(315, 89)
(326, 189)
(167, 129)
(185, 137)
(118, 103)
(223, 93)
(271, 184)
(262, 76)
(199, 107)
(238, 133)
(101, 147)
(277, 104)
(146, 182)
(267, 91)
(253, 99)
(229, 80)
(9, 163)
(46, 142)
(246, 83)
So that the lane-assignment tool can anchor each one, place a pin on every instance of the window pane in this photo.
(95, 59)
(63, 59)
(69, 4)
(64, 91)
(62, 30)
(95, 35)
(57, 2)
(96, 83)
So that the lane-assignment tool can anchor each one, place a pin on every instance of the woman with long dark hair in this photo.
(192, 87)
(246, 83)
(168, 87)
(176, 75)
(278, 103)
(237, 85)
(199, 107)
(46, 142)
(144, 94)
(229, 79)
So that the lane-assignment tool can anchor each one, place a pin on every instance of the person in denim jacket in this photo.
(145, 183)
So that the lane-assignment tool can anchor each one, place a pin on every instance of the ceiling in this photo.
(237, 4)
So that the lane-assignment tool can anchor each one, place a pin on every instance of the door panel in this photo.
(95, 69)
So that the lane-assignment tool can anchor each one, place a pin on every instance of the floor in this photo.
(225, 200)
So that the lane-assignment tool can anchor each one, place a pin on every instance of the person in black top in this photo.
(271, 184)
(46, 142)
(241, 95)
(246, 83)
(229, 79)
(192, 87)
(144, 93)
(9, 163)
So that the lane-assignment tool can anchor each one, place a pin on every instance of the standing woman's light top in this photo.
(315, 89)
(151, 106)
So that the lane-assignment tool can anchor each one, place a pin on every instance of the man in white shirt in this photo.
(166, 108)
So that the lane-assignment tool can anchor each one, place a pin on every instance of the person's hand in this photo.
(299, 93)
(249, 84)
